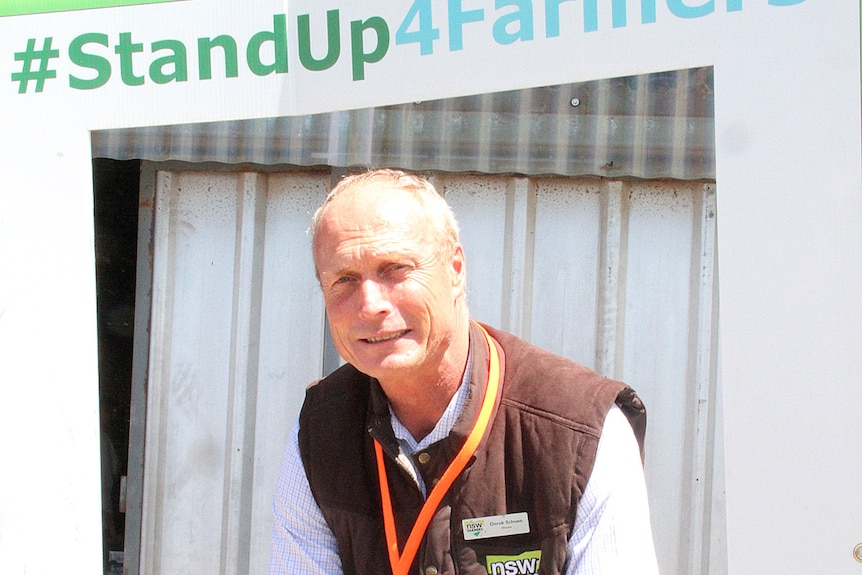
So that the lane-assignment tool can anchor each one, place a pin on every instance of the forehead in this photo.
(375, 200)
(375, 217)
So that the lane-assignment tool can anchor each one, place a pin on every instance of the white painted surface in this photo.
(236, 335)
(231, 255)
(790, 243)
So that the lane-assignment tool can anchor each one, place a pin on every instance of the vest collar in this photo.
(379, 422)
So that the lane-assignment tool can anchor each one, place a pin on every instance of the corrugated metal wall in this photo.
(619, 275)
(648, 126)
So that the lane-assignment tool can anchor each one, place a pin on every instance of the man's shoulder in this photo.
(525, 360)
(333, 413)
(552, 386)
(544, 382)
(343, 386)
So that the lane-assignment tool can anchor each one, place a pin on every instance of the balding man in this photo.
(445, 446)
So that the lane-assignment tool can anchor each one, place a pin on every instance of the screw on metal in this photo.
(857, 553)
(575, 102)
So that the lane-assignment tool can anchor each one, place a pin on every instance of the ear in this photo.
(459, 271)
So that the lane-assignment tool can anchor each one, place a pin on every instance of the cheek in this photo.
(437, 307)
(339, 331)
(337, 313)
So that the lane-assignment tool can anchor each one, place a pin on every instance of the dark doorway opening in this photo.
(116, 187)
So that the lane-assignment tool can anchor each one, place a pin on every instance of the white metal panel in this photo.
(185, 443)
(655, 351)
(480, 205)
(291, 339)
(565, 279)
(236, 330)
(617, 275)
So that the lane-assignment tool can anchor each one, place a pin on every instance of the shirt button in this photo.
(431, 570)
(423, 459)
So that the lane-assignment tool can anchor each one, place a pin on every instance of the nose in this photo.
(374, 299)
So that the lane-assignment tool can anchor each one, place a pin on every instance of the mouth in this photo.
(383, 338)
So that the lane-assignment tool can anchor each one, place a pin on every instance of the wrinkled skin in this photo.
(396, 311)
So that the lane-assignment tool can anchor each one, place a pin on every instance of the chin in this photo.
(389, 365)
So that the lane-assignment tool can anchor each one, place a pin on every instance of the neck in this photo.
(419, 402)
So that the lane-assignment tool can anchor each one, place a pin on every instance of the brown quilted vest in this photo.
(536, 458)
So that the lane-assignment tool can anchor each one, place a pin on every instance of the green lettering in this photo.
(357, 42)
(177, 60)
(205, 46)
(278, 38)
(125, 49)
(333, 40)
(101, 65)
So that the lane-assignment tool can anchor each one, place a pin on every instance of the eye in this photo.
(397, 269)
(339, 281)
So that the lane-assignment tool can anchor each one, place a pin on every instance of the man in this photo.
(445, 446)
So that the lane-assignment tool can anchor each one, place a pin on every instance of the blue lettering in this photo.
(618, 13)
(679, 8)
(736, 5)
(523, 16)
(457, 19)
(425, 34)
(591, 15)
(647, 11)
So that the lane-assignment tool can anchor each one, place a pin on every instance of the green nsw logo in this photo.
(474, 528)
(524, 564)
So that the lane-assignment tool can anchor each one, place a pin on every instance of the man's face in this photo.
(392, 304)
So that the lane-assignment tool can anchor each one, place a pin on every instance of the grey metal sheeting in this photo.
(651, 126)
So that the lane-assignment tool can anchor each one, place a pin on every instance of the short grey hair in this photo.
(438, 210)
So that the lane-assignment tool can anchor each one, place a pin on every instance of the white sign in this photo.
(495, 526)
(787, 75)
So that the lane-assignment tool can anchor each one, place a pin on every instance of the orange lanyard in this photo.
(401, 562)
